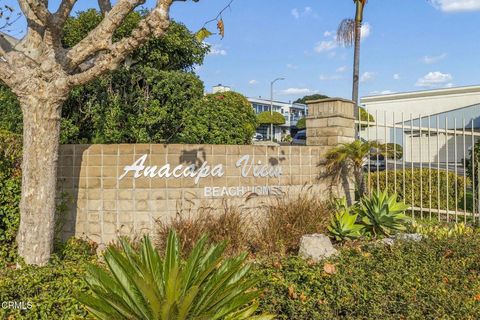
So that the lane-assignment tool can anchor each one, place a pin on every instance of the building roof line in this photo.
(422, 94)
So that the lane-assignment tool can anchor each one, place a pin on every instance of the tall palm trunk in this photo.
(356, 65)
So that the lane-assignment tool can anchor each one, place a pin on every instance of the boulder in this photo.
(415, 237)
(316, 247)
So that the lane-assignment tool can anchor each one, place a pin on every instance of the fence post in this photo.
(329, 123)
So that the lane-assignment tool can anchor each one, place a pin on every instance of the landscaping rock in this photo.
(415, 237)
(316, 247)
(387, 241)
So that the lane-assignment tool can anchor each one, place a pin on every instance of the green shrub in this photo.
(414, 177)
(391, 150)
(220, 118)
(49, 290)
(266, 117)
(301, 124)
(433, 279)
(10, 190)
(142, 285)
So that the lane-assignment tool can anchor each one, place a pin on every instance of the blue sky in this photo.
(408, 45)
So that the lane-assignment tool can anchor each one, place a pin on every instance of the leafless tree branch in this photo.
(35, 10)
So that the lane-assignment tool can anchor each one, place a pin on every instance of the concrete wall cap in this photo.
(329, 100)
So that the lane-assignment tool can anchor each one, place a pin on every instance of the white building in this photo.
(411, 119)
(291, 111)
(220, 89)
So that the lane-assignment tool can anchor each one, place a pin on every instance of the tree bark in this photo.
(41, 131)
(356, 65)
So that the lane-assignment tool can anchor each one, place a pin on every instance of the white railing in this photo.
(434, 151)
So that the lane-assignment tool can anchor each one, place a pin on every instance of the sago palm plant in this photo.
(139, 284)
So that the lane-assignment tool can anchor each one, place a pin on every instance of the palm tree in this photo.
(349, 33)
(349, 157)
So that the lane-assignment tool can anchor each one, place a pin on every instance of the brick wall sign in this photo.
(123, 189)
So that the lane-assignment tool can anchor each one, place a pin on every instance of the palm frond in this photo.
(346, 32)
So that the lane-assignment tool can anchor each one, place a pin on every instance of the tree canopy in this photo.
(144, 101)
(267, 118)
(221, 118)
(301, 124)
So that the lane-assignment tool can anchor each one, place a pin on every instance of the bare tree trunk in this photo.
(41, 131)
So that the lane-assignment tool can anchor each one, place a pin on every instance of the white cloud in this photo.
(253, 82)
(457, 5)
(367, 76)
(324, 46)
(217, 50)
(292, 66)
(330, 77)
(434, 59)
(297, 91)
(366, 30)
(306, 12)
(327, 34)
(341, 69)
(434, 79)
(396, 76)
(295, 13)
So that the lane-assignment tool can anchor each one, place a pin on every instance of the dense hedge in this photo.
(414, 176)
(10, 189)
(48, 290)
(433, 279)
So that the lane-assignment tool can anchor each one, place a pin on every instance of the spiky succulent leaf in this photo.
(139, 284)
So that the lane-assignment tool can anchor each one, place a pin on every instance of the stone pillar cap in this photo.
(329, 100)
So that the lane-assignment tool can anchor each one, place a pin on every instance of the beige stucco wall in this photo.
(103, 206)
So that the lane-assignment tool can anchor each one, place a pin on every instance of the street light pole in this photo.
(271, 106)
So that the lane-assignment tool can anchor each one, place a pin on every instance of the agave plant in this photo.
(382, 214)
(142, 285)
(344, 226)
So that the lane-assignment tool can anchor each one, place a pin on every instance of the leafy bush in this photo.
(437, 230)
(285, 221)
(221, 118)
(142, 285)
(275, 118)
(391, 150)
(10, 190)
(49, 290)
(433, 279)
(382, 214)
(301, 124)
(225, 223)
(412, 184)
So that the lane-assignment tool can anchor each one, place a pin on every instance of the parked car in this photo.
(377, 163)
(258, 137)
(300, 139)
